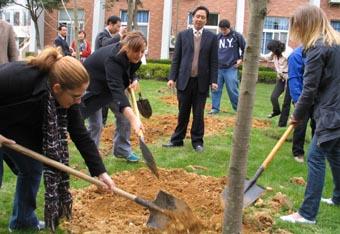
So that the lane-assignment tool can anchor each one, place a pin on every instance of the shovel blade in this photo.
(149, 159)
(174, 207)
(249, 197)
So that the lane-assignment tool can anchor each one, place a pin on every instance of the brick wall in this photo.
(51, 21)
(155, 8)
(225, 8)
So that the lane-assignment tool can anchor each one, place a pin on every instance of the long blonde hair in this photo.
(309, 23)
(66, 71)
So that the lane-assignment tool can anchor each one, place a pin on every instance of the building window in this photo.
(67, 18)
(142, 21)
(336, 25)
(275, 28)
(16, 18)
(212, 23)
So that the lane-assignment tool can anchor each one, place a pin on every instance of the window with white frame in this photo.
(211, 25)
(67, 18)
(142, 21)
(336, 24)
(274, 28)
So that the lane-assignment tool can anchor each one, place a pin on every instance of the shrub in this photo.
(160, 71)
(159, 61)
(154, 71)
(265, 76)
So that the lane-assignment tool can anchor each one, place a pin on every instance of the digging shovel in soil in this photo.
(166, 211)
(147, 155)
(252, 191)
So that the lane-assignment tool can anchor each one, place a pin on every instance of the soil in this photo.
(98, 212)
(159, 126)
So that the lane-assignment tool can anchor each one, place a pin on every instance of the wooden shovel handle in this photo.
(64, 168)
(135, 109)
(277, 146)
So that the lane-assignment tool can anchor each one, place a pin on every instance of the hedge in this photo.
(159, 71)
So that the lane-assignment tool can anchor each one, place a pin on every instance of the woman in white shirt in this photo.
(279, 55)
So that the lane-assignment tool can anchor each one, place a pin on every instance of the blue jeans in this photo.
(316, 175)
(121, 138)
(229, 77)
(28, 181)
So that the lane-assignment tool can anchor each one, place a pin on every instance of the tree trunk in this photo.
(238, 162)
(37, 34)
(76, 30)
(131, 7)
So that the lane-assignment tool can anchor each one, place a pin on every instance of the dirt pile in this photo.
(159, 126)
(95, 212)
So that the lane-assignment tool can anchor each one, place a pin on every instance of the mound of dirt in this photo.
(164, 125)
(97, 212)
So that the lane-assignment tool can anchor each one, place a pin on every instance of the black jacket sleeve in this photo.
(83, 142)
(176, 59)
(114, 77)
(315, 62)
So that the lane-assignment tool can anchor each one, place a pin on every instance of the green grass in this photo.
(215, 158)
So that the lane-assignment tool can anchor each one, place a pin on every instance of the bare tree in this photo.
(35, 8)
(238, 162)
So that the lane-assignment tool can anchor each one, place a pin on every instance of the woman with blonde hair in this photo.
(38, 108)
(112, 70)
(321, 43)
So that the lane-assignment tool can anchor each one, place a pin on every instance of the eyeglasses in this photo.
(75, 97)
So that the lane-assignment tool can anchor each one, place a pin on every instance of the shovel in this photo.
(144, 106)
(165, 211)
(252, 191)
(147, 155)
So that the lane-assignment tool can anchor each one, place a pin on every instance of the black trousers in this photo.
(277, 91)
(300, 134)
(188, 99)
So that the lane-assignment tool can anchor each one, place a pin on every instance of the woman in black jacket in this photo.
(321, 84)
(38, 108)
(112, 70)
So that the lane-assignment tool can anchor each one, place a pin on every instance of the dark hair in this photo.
(61, 26)
(277, 47)
(82, 31)
(113, 20)
(224, 23)
(201, 8)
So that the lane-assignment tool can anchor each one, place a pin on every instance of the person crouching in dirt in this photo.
(112, 70)
(38, 108)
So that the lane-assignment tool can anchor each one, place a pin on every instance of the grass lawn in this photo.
(215, 158)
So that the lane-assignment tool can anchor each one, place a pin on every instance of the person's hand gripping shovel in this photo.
(147, 155)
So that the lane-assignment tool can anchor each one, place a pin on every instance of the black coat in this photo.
(61, 42)
(183, 56)
(110, 74)
(321, 85)
(23, 90)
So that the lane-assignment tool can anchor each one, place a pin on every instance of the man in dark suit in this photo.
(60, 40)
(111, 34)
(194, 68)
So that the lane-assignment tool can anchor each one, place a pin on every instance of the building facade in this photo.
(161, 20)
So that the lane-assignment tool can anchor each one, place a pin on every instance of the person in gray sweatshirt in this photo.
(231, 46)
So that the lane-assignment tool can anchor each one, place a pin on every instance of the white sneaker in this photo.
(296, 218)
(299, 158)
(328, 201)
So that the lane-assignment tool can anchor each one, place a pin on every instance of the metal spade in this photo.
(165, 211)
(252, 191)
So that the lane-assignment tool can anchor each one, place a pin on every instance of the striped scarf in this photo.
(58, 200)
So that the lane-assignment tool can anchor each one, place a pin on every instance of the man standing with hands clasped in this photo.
(193, 69)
